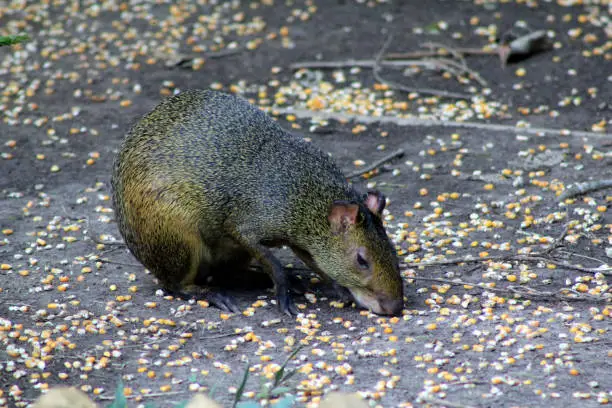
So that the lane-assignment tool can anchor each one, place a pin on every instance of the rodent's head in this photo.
(363, 258)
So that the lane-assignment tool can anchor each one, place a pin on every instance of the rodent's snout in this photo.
(391, 307)
(382, 305)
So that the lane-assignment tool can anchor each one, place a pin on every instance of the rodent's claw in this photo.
(214, 297)
(222, 301)
(286, 304)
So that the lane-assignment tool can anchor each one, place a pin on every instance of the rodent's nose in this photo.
(392, 307)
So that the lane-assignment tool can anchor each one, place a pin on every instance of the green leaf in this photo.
(279, 391)
(120, 400)
(12, 39)
(289, 375)
(278, 376)
(240, 390)
(248, 404)
(286, 402)
(214, 388)
(432, 28)
(181, 404)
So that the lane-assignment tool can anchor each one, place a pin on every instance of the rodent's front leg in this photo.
(279, 277)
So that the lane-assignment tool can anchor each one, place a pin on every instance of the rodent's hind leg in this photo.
(215, 297)
(228, 268)
(297, 284)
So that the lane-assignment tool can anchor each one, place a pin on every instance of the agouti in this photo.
(206, 182)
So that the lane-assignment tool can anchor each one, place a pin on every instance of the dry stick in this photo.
(391, 60)
(464, 69)
(558, 242)
(152, 395)
(351, 63)
(91, 235)
(570, 253)
(462, 63)
(110, 243)
(583, 188)
(391, 156)
(186, 59)
(605, 272)
(219, 336)
(432, 45)
(425, 54)
(401, 87)
(437, 401)
(524, 292)
(108, 261)
(516, 258)
(424, 122)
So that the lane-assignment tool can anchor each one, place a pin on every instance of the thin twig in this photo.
(91, 235)
(352, 63)
(426, 54)
(558, 242)
(454, 52)
(537, 257)
(392, 59)
(606, 272)
(425, 122)
(583, 188)
(437, 401)
(525, 292)
(219, 336)
(108, 261)
(377, 163)
(108, 251)
(401, 87)
(152, 395)
(451, 63)
(570, 253)
(185, 60)
(223, 53)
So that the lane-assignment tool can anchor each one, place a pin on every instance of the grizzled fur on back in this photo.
(211, 150)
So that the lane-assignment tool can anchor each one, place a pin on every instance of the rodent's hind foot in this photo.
(286, 304)
(216, 298)
(222, 301)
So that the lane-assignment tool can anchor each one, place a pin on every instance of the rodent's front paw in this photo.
(222, 301)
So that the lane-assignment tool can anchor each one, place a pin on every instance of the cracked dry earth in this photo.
(524, 321)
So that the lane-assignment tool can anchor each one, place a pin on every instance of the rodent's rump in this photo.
(217, 181)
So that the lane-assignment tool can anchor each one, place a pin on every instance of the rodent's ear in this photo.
(375, 201)
(342, 215)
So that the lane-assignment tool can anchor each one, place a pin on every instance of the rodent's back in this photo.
(210, 150)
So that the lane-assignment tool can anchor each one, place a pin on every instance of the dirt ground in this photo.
(76, 313)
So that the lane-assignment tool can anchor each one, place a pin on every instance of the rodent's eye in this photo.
(362, 262)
